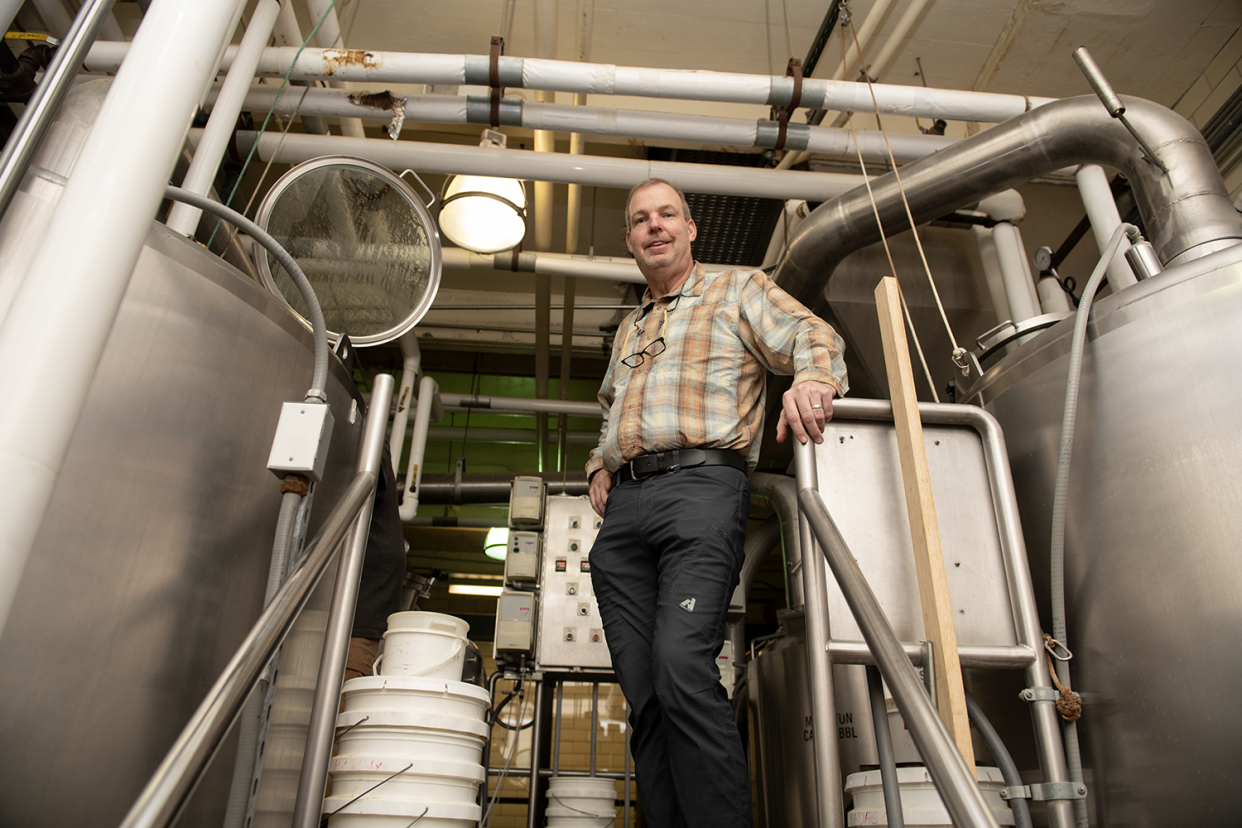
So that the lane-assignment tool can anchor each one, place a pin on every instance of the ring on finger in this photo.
(816, 405)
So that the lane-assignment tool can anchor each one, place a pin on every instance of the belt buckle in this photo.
(655, 464)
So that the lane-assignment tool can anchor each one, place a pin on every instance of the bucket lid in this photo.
(416, 684)
(577, 786)
(419, 620)
(911, 776)
(470, 771)
(365, 719)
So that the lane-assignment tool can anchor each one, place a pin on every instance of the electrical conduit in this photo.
(428, 393)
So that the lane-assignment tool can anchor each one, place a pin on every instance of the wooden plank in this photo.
(924, 530)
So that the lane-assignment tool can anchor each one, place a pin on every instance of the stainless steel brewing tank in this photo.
(1153, 571)
(152, 560)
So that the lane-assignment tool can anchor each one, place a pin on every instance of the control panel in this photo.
(526, 503)
(515, 622)
(522, 557)
(570, 632)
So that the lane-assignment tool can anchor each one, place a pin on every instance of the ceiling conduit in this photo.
(625, 123)
(603, 79)
(1188, 213)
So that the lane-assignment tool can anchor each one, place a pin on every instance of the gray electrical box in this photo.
(515, 622)
(522, 558)
(526, 503)
(571, 633)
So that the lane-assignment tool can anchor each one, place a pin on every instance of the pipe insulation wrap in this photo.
(602, 79)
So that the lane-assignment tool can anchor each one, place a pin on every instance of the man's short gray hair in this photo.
(651, 182)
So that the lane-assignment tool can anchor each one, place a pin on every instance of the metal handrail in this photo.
(953, 779)
(166, 794)
(46, 100)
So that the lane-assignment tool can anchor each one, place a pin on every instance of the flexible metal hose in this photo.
(319, 380)
(1061, 492)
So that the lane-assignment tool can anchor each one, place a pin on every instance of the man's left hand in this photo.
(805, 409)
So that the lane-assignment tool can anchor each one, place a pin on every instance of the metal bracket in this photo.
(1034, 694)
(1046, 791)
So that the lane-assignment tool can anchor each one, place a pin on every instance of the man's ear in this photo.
(692, 230)
(628, 246)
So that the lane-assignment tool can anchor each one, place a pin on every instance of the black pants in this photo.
(664, 566)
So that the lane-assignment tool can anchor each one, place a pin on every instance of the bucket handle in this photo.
(458, 645)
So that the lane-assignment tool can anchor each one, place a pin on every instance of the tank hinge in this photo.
(1046, 791)
(1033, 694)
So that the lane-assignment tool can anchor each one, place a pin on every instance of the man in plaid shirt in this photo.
(683, 404)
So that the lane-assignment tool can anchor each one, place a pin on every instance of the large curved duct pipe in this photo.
(1188, 213)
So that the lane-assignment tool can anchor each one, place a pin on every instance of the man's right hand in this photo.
(601, 485)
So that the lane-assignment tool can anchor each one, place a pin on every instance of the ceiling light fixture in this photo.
(497, 543)
(483, 214)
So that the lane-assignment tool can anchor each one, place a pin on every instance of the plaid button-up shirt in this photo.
(723, 332)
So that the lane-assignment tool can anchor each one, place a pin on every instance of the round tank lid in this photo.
(365, 240)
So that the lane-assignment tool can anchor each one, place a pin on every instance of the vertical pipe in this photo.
(54, 15)
(60, 318)
(329, 36)
(306, 810)
(556, 728)
(992, 272)
(219, 131)
(896, 817)
(819, 666)
(1019, 288)
(405, 397)
(8, 11)
(1097, 198)
(536, 758)
(573, 218)
(594, 722)
(427, 392)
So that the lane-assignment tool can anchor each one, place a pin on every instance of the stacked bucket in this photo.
(410, 738)
(581, 803)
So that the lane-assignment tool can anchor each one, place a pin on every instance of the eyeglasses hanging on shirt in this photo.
(657, 346)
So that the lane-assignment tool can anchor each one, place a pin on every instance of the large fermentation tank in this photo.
(1153, 573)
(152, 559)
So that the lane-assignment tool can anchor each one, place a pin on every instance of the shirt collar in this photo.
(693, 286)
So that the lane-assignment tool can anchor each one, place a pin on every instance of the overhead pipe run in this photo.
(1188, 211)
(621, 173)
(603, 79)
(625, 123)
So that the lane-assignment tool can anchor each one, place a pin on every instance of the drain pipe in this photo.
(992, 272)
(1097, 198)
(1019, 286)
(288, 33)
(219, 131)
(8, 11)
(545, 142)
(79, 275)
(758, 544)
(1188, 210)
(376, 67)
(781, 493)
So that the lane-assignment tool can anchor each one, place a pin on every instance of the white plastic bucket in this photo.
(370, 694)
(377, 811)
(595, 796)
(566, 818)
(411, 743)
(425, 779)
(920, 803)
(426, 644)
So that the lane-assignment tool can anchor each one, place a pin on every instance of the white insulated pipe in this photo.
(625, 123)
(54, 15)
(428, 390)
(1052, 297)
(622, 173)
(54, 334)
(1097, 198)
(992, 272)
(412, 364)
(897, 39)
(219, 130)
(8, 11)
(601, 79)
(1019, 287)
(328, 36)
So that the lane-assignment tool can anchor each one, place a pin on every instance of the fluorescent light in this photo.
(497, 543)
(473, 589)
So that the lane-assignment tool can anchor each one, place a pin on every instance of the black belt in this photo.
(670, 461)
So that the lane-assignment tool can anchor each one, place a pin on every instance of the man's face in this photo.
(659, 235)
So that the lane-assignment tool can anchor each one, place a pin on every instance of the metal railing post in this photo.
(319, 738)
(819, 665)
